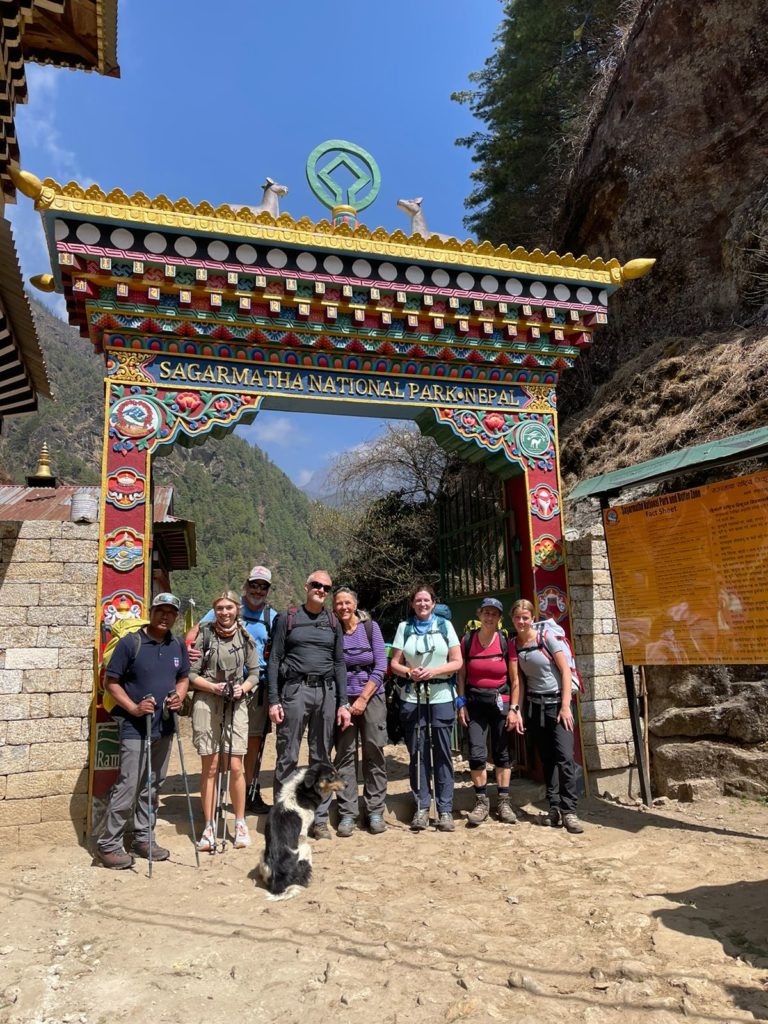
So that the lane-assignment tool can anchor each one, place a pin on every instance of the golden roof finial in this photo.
(42, 477)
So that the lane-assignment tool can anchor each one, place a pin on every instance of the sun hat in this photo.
(492, 602)
(260, 572)
(170, 599)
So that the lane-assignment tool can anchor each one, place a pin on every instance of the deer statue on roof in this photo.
(413, 207)
(270, 200)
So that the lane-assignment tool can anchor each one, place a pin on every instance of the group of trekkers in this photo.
(321, 670)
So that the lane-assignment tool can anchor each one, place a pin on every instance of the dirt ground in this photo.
(648, 917)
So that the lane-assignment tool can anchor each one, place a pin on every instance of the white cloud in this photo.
(280, 431)
(40, 140)
(302, 477)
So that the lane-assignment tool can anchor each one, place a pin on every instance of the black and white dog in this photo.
(286, 864)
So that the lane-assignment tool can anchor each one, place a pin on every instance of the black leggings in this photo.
(484, 716)
(555, 746)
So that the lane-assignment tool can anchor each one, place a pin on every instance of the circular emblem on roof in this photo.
(326, 159)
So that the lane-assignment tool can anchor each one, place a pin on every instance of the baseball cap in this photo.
(170, 599)
(491, 602)
(260, 572)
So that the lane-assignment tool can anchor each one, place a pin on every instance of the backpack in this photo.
(440, 621)
(466, 644)
(120, 628)
(268, 616)
(291, 622)
(556, 630)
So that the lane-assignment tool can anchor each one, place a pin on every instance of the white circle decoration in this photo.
(333, 265)
(361, 268)
(61, 230)
(441, 278)
(465, 281)
(538, 290)
(562, 292)
(121, 238)
(514, 287)
(185, 246)
(88, 234)
(306, 261)
(218, 251)
(276, 258)
(387, 271)
(584, 295)
(489, 283)
(414, 274)
(602, 298)
(155, 242)
(246, 253)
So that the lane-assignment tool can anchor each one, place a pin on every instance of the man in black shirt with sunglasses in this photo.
(307, 682)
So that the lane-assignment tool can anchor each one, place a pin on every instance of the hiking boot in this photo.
(142, 850)
(505, 813)
(207, 841)
(445, 822)
(420, 819)
(320, 830)
(242, 836)
(376, 824)
(480, 811)
(572, 824)
(256, 805)
(551, 818)
(117, 860)
(347, 826)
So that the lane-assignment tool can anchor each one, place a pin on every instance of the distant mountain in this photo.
(245, 509)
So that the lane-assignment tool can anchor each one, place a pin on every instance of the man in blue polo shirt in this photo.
(148, 669)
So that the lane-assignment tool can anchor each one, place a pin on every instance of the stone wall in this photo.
(47, 626)
(605, 725)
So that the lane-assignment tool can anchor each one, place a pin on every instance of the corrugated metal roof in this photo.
(751, 444)
(19, 503)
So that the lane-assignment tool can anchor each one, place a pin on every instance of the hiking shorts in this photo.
(209, 715)
(258, 711)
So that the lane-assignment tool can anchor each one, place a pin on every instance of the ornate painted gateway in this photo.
(205, 317)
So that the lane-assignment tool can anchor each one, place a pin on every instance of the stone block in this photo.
(71, 550)
(74, 705)
(607, 688)
(4, 785)
(620, 708)
(20, 812)
(9, 529)
(593, 733)
(76, 657)
(66, 636)
(71, 594)
(599, 664)
(596, 643)
(44, 730)
(604, 592)
(50, 783)
(65, 808)
(610, 626)
(10, 837)
(596, 710)
(14, 706)
(32, 657)
(20, 635)
(615, 783)
(39, 705)
(36, 572)
(13, 615)
(607, 755)
(3, 733)
(84, 572)
(47, 756)
(579, 578)
(581, 596)
(13, 759)
(10, 680)
(80, 531)
(699, 789)
(85, 728)
(603, 609)
(55, 833)
(26, 551)
(37, 529)
(618, 731)
(60, 615)
(60, 680)
(19, 594)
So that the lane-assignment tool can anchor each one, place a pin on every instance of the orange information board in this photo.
(690, 574)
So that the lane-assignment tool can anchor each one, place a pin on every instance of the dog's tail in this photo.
(288, 894)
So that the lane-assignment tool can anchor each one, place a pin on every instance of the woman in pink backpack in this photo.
(543, 666)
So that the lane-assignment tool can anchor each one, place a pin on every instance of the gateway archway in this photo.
(204, 317)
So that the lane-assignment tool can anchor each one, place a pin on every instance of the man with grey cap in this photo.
(149, 669)
(258, 617)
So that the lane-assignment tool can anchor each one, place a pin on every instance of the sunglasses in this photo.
(316, 585)
(259, 586)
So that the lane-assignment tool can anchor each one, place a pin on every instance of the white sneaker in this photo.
(242, 837)
(206, 842)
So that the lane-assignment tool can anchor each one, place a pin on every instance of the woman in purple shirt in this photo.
(366, 660)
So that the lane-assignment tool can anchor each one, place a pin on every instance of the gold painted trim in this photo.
(140, 209)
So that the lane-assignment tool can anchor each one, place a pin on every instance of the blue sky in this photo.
(207, 108)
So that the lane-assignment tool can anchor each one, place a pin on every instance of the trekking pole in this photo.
(148, 723)
(177, 730)
(225, 789)
(219, 770)
(431, 752)
(254, 789)
(417, 792)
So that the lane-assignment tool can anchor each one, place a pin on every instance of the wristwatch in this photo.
(515, 708)
(345, 707)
